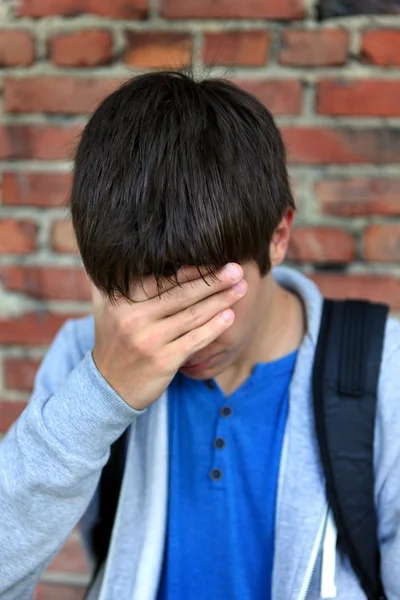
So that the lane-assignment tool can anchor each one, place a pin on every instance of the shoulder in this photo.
(392, 337)
(389, 380)
(71, 344)
(75, 338)
(80, 334)
(387, 430)
(387, 455)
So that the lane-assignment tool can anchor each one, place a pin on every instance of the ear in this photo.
(280, 239)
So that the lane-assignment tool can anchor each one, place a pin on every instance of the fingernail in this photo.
(240, 288)
(233, 271)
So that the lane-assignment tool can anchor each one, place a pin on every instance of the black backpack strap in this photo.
(109, 490)
(345, 381)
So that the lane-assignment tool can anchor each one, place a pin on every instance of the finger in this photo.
(181, 349)
(181, 297)
(200, 313)
(148, 288)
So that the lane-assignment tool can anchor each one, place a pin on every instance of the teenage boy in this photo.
(203, 347)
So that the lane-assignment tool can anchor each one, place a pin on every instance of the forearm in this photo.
(50, 464)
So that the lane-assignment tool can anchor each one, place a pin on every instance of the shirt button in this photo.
(216, 474)
(219, 443)
(226, 411)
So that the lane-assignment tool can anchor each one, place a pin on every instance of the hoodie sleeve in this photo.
(387, 462)
(51, 459)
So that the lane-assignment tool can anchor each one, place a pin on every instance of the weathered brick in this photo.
(31, 329)
(85, 48)
(19, 373)
(17, 237)
(381, 47)
(280, 96)
(17, 48)
(63, 237)
(359, 197)
(246, 48)
(114, 9)
(58, 94)
(9, 412)
(37, 141)
(158, 49)
(371, 97)
(341, 145)
(382, 243)
(50, 283)
(377, 288)
(321, 245)
(35, 189)
(314, 48)
(209, 9)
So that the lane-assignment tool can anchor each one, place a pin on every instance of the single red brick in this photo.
(158, 49)
(66, 95)
(359, 197)
(17, 237)
(35, 189)
(376, 288)
(115, 9)
(369, 98)
(70, 559)
(280, 96)
(9, 412)
(50, 591)
(17, 48)
(245, 48)
(63, 237)
(381, 47)
(37, 141)
(342, 145)
(314, 48)
(50, 283)
(32, 328)
(19, 373)
(228, 9)
(85, 48)
(322, 245)
(382, 243)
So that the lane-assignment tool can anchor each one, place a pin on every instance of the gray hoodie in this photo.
(51, 460)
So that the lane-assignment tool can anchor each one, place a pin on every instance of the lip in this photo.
(198, 367)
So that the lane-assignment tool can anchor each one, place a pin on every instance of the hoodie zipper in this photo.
(305, 588)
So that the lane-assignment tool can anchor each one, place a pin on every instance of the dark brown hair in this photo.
(170, 172)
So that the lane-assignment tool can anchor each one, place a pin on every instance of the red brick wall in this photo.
(335, 89)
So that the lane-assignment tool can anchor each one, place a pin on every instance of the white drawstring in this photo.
(328, 587)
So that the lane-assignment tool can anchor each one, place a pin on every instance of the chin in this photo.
(197, 377)
(202, 373)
